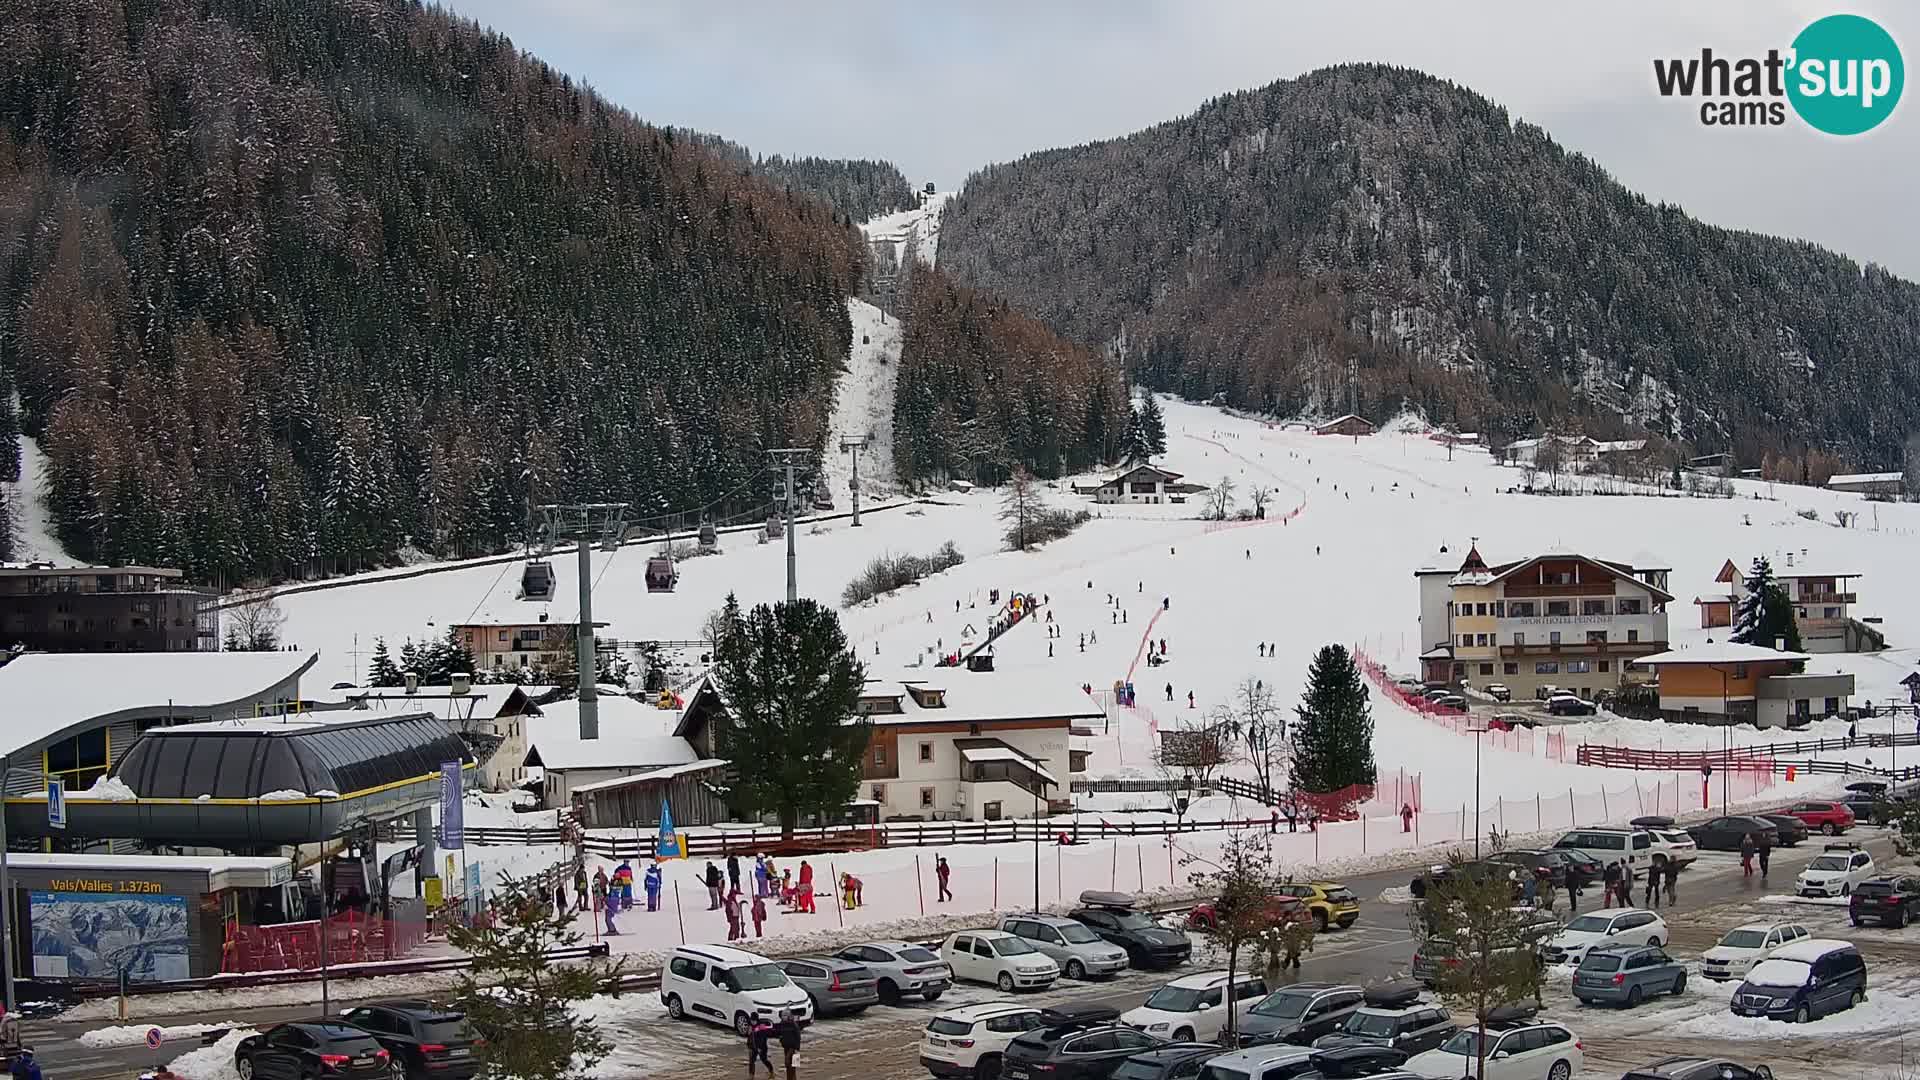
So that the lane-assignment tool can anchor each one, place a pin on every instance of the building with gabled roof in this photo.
(1822, 599)
(1350, 425)
(1730, 683)
(1140, 482)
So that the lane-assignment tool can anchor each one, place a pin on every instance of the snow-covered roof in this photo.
(979, 754)
(1866, 478)
(1135, 470)
(1341, 420)
(1625, 570)
(980, 696)
(1724, 652)
(653, 775)
(47, 693)
(632, 735)
(1620, 446)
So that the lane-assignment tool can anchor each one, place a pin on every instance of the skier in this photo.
(603, 895)
(1113, 617)
(1189, 699)
(1093, 637)
(759, 915)
(1169, 691)
(760, 875)
(653, 887)
(806, 887)
(941, 874)
(1166, 602)
(733, 873)
(580, 885)
(1123, 617)
(1049, 650)
(713, 879)
(1316, 549)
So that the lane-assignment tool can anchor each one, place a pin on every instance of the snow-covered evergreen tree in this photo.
(1765, 617)
(1153, 426)
(1333, 737)
(381, 670)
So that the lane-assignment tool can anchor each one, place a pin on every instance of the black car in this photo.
(1573, 862)
(1788, 830)
(1148, 944)
(1353, 1061)
(1725, 833)
(1174, 1061)
(304, 1049)
(1394, 1017)
(1891, 901)
(1864, 804)
(424, 1039)
(1444, 872)
(1530, 861)
(1690, 1067)
(1299, 1013)
(1074, 1044)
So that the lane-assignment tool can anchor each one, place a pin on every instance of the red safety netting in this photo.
(352, 938)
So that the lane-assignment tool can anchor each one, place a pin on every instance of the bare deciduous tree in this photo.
(1257, 726)
(1260, 496)
(1220, 499)
(254, 626)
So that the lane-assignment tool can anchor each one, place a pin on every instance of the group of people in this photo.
(761, 1036)
(1751, 848)
(1617, 879)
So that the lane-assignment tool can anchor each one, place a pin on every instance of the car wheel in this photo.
(1560, 1071)
(1846, 889)
(674, 1009)
(1856, 999)
(987, 1068)
(243, 1065)
(1857, 921)
(742, 1024)
(1803, 1015)
(1319, 922)
(889, 992)
(931, 995)
(1679, 984)
(1761, 1072)
(1005, 982)
(1654, 941)
(1830, 829)
(1076, 970)
(1633, 996)
(1183, 1035)
(1899, 918)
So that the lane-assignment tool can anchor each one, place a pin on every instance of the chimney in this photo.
(413, 682)
(462, 682)
(1780, 644)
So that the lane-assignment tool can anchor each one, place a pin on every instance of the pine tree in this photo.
(1333, 735)
(1153, 426)
(1133, 441)
(411, 659)
(454, 656)
(1766, 614)
(791, 684)
(381, 670)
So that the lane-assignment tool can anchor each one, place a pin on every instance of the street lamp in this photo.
(1477, 732)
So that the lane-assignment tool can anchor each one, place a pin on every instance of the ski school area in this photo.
(1151, 618)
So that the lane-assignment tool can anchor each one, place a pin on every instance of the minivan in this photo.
(1609, 845)
(724, 985)
(1804, 981)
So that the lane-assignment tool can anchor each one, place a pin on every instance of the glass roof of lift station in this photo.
(291, 758)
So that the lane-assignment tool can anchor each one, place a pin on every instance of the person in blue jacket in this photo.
(653, 887)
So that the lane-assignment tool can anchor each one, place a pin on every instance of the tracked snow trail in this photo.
(863, 405)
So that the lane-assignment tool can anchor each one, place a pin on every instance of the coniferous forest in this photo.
(1369, 238)
(289, 284)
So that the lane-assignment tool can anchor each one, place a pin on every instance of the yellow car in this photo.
(1330, 902)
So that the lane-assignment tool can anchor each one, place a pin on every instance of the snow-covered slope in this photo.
(918, 229)
(33, 536)
(863, 405)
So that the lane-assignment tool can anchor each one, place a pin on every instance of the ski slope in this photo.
(917, 228)
(863, 405)
(34, 539)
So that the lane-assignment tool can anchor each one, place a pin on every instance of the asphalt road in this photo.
(882, 1044)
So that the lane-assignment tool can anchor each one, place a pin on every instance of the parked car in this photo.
(1174, 1061)
(1893, 900)
(1610, 843)
(1689, 1067)
(1835, 871)
(1678, 846)
(1516, 1049)
(1084, 1043)
(1545, 692)
(1328, 903)
(1569, 705)
(1456, 702)
(1436, 693)
(836, 985)
(1148, 944)
(1725, 833)
(1577, 862)
(1280, 909)
(1281, 1062)
(1804, 981)
(901, 968)
(1499, 691)
(724, 985)
(1393, 1014)
(1832, 818)
(1788, 829)
(1509, 721)
(1619, 926)
(1434, 955)
(1744, 946)
(1299, 1013)
(421, 1038)
(1627, 974)
(999, 959)
(971, 1040)
(309, 1048)
(1069, 943)
(1864, 806)
(1529, 861)
(1195, 1007)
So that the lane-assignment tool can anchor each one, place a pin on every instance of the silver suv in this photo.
(1069, 943)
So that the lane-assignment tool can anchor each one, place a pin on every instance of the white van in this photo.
(724, 985)
(1611, 844)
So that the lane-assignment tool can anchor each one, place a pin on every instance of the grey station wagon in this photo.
(835, 985)
(1627, 975)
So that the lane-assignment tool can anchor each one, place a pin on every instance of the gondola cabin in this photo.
(709, 536)
(536, 580)
(661, 574)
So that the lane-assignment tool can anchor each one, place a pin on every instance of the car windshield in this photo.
(1744, 939)
(1175, 999)
(1077, 934)
(758, 977)
(914, 954)
(1012, 946)
(1133, 920)
(1283, 1006)
(1468, 1042)
(1828, 862)
(1369, 1024)
(941, 1025)
(1340, 896)
(1591, 924)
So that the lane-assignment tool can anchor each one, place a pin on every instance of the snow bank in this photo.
(1887, 1010)
(135, 1034)
(214, 1062)
(34, 538)
(105, 789)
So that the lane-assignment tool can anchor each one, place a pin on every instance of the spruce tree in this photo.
(1766, 615)
(1153, 426)
(411, 660)
(791, 684)
(454, 656)
(1133, 441)
(1333, 735)
(381, 670)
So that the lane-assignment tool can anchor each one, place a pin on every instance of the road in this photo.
(882, 1044)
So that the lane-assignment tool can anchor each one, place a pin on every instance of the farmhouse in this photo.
(1346, 425)
(1889, 484)
(1141, 483)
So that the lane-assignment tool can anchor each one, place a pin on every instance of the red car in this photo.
(1831, 818)
(1280, 909)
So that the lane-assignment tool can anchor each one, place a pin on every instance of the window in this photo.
(1499, 609)
(1523, 609)
(1593, 607)
(1830, 613)
(1739, 671)
(1630, 605)
(1546, 667)
(1519, 638)
(926, 751)
(1479, 609)
(926, 797)
(688, 969)
(880, 793)
(1578, 667)
(1486, 669)
(1510, 669)
(879, 754)
(1633, 635)
(1553, 637)
(1480, 640)
(1596, 637)
(1833, 705)
(1559, 607)
(1466, 640)
(79, 761)
(1605, 666)
(503, 635)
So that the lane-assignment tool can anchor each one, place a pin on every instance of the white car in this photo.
(1835, 871)
(1525, 1051)
(970, 1040)
(1675, 845)
(1744, 946)
(724, 985)
(1623, 926)
(999, 958)
(1194, 1008)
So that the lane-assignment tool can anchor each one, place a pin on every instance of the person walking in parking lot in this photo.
(1672, 874)
(1652, 899)
(758, 1037)
(1609, 884)
(1766, 854)
(1747, 848)
(788, 1032)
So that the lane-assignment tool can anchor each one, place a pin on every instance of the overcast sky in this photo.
(941, 89)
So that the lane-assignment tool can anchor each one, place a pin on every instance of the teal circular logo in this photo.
(1846, 75)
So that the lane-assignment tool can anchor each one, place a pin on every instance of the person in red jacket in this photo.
(806, 886)
(1406, 817)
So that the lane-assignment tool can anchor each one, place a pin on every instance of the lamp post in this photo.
(1477, 732)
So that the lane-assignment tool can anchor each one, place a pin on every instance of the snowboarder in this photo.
(653, 887)
(1169, 691)
(941, 874)
(759, 915)
(713, 879)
